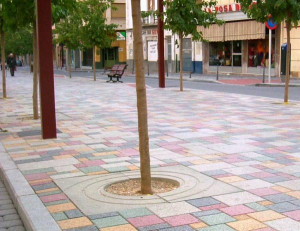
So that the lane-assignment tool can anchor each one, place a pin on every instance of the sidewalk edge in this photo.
(32, 211)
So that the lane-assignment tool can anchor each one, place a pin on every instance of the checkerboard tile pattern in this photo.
(244, 141)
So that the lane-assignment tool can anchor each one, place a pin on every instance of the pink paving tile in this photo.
(73, 142)
(294, 215)
(262, 174)
(93, 163)
(55, 197)
(37, 176)
(69, 152)
(237, 210)
(145, 221)
(264, 191)
(128, 152)
(223, 175)
(184, 219)
(211, 207)
(287, 176)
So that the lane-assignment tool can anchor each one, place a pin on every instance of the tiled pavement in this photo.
(9, 218)
(251, 143)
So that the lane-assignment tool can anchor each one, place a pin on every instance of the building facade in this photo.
(240, 46)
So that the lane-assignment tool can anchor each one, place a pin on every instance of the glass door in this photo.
(237, 56)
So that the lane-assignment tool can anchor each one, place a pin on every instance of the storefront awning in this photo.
(242, 30)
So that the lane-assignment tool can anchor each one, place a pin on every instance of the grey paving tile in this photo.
(283, 207)
(278, 198)
(203, 202)
(155, 227)
(73, 213)
(178, 228)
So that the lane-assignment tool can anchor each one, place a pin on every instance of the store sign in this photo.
(225, 8)
(152, 51)
(121, 35)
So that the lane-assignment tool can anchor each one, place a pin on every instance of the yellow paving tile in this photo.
(127, 227)
(295, 194)
(133, 167)
(47, 190)
(74, 223)
(241, 217)
(83, 159)
(231, 179)
(18, 155)
(61, 207)
(267, 215)
(105, 153)
(265, 203)
(96, 173)
(280, 189)
(43, 181)
(200, 162)
(198, 225)
(246, 225)
(272, 165)
(62, 157)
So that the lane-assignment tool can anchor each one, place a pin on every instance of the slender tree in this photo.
(182, 17)
(141, 99)
(94, 31)
(66, 32)
(287, 11)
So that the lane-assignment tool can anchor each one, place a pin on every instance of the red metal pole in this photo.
(161, 50)
(47, 97)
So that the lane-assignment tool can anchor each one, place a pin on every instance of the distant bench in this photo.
(117, 72)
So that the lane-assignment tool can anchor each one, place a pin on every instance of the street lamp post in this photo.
(161, 52)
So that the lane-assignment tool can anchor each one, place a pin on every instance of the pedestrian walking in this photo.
(11, 62)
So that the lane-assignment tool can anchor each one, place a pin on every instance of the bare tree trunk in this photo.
(69, 63)
(141, 99)
(35, 75)
(3, 63)
(181, 60)
(288, 58)
(94, 63)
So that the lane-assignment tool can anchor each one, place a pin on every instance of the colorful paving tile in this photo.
(246, 142)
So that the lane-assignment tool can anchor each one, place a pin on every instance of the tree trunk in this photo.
(3, 63)
(94, 63)
(35, 75)
(30, 63)
(69, 63)
(141, 99)
(288, 58)
(181, 60)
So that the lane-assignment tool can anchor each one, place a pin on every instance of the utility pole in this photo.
(44, 25)
(161, 50)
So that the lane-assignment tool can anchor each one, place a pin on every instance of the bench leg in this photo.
(109, 80)
(118, 80)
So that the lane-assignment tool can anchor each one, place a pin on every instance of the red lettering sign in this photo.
(224, 8)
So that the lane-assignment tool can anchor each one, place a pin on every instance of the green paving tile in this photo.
(57, 202)
(59, 216)
(221, 227)
(50, 193)
(110, 221)
(216, 219)
(257, 207)
(118, 169)
(139, 212)
(26, 172)
(91, 169)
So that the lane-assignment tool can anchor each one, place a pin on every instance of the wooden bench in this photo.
(117, 72)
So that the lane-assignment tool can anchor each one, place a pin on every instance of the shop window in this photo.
(220, 53)
(120, 10)
(258, 53)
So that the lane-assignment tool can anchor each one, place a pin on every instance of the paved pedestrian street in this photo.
(242, 151)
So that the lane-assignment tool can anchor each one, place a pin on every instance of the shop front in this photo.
(240, 46)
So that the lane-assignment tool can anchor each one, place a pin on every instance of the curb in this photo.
(32, 211)
(275, 85)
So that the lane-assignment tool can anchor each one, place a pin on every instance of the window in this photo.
(258, 53)
(120, 11)
(225, 53)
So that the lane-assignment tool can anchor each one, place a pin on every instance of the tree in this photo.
(6, 24)
(141, 99)
(19, 42)
(24, 12)
(66, 32)
(94, 31)
(280, 11)
(182, 17)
